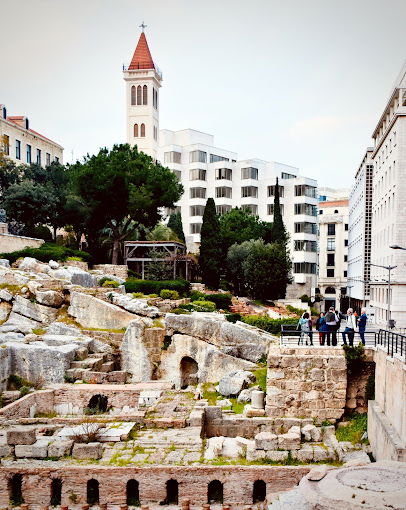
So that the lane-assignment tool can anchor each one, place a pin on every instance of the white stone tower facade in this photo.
(143, 81)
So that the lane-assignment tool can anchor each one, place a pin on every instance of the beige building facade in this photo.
(23, 145)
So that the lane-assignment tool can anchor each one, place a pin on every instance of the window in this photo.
(271, 206)
(172, 157)
(197, 192)
(133, 96)
(346, 226)
(48, 159)
(321, 211)
(214, 158)
(223, 209)
(18, 149)
(249, 173)
(249, 191)
(306, 227)
(38, 156)
(330, 273)
(198, 157)
(303, 190)
(196, 210)
(345, 274)
(223, 192)
(331, 290)
(304, 245)
(271, 191)
(345, 258)
(197, 174)
(224, 173)
(331, 229)
(155, 98)
(178, 174)
(331, 244)
(139, 92)
(135, 130)
(345, 242)
(308, 209)
(330, 259)
(155, 133)
(142, 130)
(144, 94)
(304, 267)
(6, 145)
(195, 228)
(284, 175)
(252, 208)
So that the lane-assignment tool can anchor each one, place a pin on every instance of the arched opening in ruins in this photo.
(172, 492)
(215, 492)
(92, 496)
(188, 372)
(133, 493)
(97, 404)
(15, 489)
(259, 491)
(56, 491)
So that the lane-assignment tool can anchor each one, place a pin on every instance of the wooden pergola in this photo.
(139, 253)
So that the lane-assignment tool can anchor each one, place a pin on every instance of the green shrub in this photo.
(137, 295)
(293, 309)
(197, 296)
(188, 307)
(169, 294)
(110, 283)
(233, 317)
(222, 301)
(204, 306)
(370, 388)
(155, 287)
(77, 259)
(355, 356)
(272, 326)
(152, 296)
(47, 252)
(305, 298)
(354, 430)
(180, 311)
(24, 390)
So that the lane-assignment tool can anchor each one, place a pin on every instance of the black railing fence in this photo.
(394, 342)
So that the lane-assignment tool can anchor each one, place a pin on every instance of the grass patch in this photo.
(122, 330)
(46, 415)
(11, 288)
(39, 331)
(237, 407)
(260, 376)
(63, 316)
(210, 394)
(354, 430)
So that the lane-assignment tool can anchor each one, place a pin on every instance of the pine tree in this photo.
(175, 224)
(210, 246)
(278, 232)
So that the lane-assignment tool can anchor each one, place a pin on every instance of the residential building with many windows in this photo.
(359, 233)
(24, 145)
(333, 253)
(208, 171)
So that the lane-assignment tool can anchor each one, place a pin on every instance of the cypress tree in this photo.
(279, 234)
(175, 224)
(210, 246)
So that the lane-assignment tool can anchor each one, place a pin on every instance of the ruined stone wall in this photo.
(5, 367)
(42, 401)
(193, 481)
(116, 270)
(308, 383)
(356, 386)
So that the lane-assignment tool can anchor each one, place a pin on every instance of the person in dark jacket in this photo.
(362, 324)
(321, 327)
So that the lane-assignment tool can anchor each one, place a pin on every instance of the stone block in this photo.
(311, 433)
(87, 451)
(321, 453)
(289, 441)
(6, 450)
(266, 441)
(275, 374)
(5, 295)
(21, 435)
(49, 297)
(277, 455)
(38, 450)
(34, 311)
(234, 382)
(294, 430)
(254, 454)
(250, 412)
(60, 448)
(85, 280)
(303, 455)
(317, 374)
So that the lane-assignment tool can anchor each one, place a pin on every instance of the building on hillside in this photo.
(333, 252)
(389, 208)
(359, 233)
(22, 144)
(208, 171)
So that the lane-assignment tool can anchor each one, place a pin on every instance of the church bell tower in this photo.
(143, 81)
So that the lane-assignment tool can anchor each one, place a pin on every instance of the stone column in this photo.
(257, 399)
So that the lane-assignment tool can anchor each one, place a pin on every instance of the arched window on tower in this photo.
(139, 94)
(144, 94)
(135, 130)
(142, 129)
(133, 98)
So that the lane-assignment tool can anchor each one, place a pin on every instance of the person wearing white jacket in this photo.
(350, 327)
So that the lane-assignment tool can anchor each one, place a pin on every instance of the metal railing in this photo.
(290, 336)
(394, 342)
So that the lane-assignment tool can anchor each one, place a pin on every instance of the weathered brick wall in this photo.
(193, 481)
(307, 383)
(117, 270)
(42, 400)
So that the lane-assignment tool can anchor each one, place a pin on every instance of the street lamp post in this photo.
(389, 269)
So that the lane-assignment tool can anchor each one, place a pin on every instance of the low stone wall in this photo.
(309, 383)
(116, 270)
(193, 482)
(42, 401)
(10, 243)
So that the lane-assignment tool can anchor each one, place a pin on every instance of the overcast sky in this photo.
(302, 82)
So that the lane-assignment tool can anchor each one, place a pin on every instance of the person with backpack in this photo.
(362, 324)
(306, 328)
(321, 327)
(350, 328)
(331, 322)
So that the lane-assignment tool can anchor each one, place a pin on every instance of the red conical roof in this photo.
(142, 58)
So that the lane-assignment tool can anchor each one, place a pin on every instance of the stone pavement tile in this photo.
(192, 457)
(140, 457)
(174, 456)
(156, 457)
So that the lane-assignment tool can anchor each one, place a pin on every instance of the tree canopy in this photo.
(210, 248)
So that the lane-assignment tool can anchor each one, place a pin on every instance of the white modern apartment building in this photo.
(333, 252)
(24, 145)
(359, 233)
(389, 208)
(208, 171)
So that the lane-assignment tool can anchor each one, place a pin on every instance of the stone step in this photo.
(91, 363)
(103, 355)
(108, 366)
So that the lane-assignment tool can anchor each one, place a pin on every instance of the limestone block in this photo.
(320, 454)
(135, 358)
(250, 412)
(5, 295)
(12, 277)
(276, 374)
(213, 413)
(87, 451)
(294, 430)
(85, 279)
(311, 433)
(6, 450)
(317, 374)
(38, 450)
(136, 306)
(318, 473)
(234, 382)
(254, 454)
(34, 311)
(214, 447)
(92, 312)
(289, 441)
(304, 454)
(356, 458)
(49, 297)
(21, 435)
(266, 441)
(30, 264)
(244, 396)
(277, 455)
(231, 448)
(4, 263)
(60, 448)
(5, 309)
(53, 264)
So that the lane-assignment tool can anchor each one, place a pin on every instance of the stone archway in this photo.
(188, 372)
(97, 404)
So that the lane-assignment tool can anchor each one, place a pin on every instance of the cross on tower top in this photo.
(143, 26)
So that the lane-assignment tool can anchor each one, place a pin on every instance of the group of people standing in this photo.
(328, 325)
